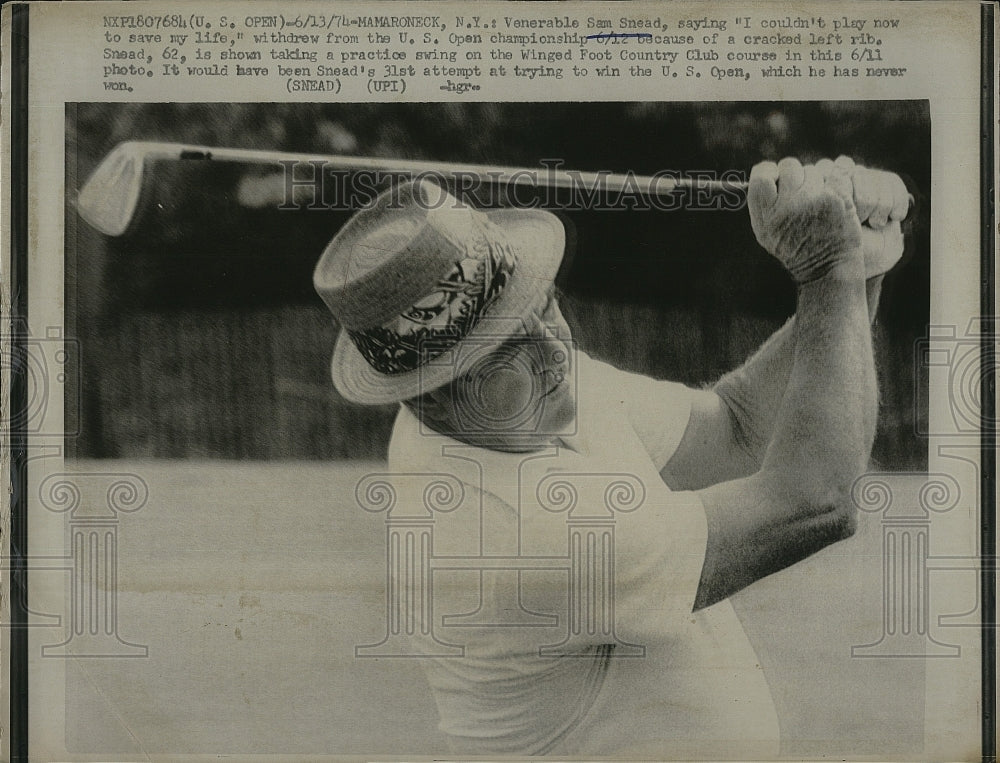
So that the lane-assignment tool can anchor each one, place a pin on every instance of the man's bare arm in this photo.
(731, 423)
(799, 499)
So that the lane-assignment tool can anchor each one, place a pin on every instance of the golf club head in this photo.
(109, 198)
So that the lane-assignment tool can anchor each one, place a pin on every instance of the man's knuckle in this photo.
(864, 198)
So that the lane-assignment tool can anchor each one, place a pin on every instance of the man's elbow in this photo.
(834, 509)
(823, 514)
(840, 518)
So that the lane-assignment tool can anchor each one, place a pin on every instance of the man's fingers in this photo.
(841, 182)
(763, 190)
(866, 193)
(893, 199)
(879, 196)
(845, 163)
(884, 201)
(791, 175)
(900, 199)
(812, 180)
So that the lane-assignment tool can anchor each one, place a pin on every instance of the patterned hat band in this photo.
(439, 321)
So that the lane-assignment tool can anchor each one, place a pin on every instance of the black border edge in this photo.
(988, 360)
(18, 540)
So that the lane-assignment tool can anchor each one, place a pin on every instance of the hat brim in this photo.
(538, 238)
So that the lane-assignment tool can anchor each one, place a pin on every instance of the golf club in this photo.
(109, 198)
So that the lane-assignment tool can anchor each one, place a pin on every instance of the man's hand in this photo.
(882, 202)
(804, 216)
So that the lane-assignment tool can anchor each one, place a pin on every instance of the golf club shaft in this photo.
(109, 198)
(548, 175)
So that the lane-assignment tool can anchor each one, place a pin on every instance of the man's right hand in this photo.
(882, 202)
(804, 216)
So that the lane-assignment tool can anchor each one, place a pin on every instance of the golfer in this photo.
(451, 311)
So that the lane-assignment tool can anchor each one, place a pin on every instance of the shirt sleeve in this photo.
(635, 572)
(658, 410)
(637, 580)
(659, 554)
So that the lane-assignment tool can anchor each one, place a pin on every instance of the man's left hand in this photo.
(882, 202)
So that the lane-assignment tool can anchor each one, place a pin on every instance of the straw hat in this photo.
(417, 274)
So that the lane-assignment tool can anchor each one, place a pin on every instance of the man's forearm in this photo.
(825, 424)
(753, 392)
(797, 502)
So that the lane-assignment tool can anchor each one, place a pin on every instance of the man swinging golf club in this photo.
(451, 311)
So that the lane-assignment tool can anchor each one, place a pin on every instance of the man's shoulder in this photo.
(596, 378)
(589, 365)
(607, 373)
(603, 381)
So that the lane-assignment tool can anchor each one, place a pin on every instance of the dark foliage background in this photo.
(201, 336)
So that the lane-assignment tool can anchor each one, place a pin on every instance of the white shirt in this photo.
(676, 683)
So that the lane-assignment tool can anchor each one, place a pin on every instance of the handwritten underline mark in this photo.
(618, 35)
